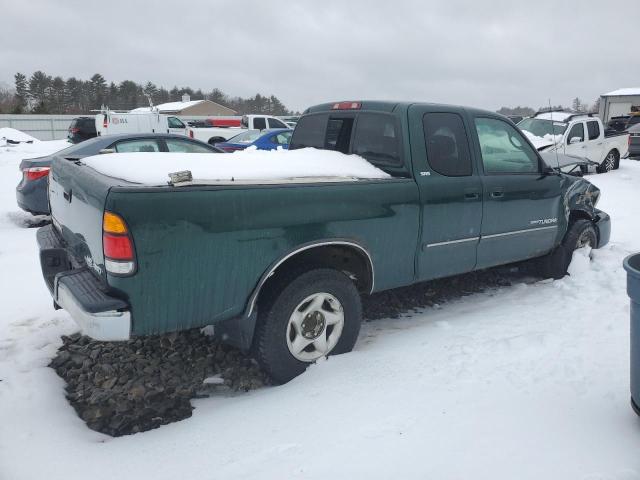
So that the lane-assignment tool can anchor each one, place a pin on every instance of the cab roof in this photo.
(386, 106)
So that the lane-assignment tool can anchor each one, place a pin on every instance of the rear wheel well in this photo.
(348, 259)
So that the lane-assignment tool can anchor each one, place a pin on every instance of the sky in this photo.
(485, 54)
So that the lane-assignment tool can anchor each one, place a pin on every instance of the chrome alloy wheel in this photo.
(609, 162)
(315, 327)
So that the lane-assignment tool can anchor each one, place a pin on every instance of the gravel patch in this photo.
(120, 388)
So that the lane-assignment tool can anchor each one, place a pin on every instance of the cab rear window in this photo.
(373, 136)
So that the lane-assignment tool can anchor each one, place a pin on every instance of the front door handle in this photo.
(471, 196)
(497, 194)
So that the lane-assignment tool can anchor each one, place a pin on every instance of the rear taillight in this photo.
(74, 130)
(35, 173)
(190, 133)
(117, 245)
(104, 122)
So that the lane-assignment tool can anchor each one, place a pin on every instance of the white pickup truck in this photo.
(212, 135)
(579, 135)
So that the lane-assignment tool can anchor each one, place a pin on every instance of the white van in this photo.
(109, 122)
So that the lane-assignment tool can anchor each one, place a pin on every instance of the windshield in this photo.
(540, 127)
(246, 137)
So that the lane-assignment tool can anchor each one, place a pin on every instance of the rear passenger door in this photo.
(450, 191)
(522, 205)
(595, 145)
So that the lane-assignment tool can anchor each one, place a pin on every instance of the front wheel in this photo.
(581, 233)
(610, 162)
(316, 314)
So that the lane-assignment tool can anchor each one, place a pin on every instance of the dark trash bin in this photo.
(632, 266)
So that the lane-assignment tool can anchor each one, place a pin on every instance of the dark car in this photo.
(31, 192)
(81, 129)
(634, 141)
(262, 140)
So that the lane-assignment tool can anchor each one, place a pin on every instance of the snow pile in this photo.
(250, 164)
(14, 135)
(541, 142)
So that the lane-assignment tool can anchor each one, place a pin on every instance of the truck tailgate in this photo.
(77, 196)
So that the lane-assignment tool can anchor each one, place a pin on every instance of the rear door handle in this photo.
(497, 194)
(471, 196)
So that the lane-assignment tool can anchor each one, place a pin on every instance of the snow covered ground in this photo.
(527, 382)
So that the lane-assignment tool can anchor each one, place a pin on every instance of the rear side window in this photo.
(309, 132)
(137, 146)
(175, 145)
(259, 123)
(377, 139)
(447, 144)
(593, 129)
(274, 123)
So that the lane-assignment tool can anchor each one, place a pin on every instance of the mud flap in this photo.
(237, 331)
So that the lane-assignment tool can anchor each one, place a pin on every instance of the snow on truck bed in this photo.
(250, 164)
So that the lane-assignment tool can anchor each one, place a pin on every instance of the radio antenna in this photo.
(553, 135)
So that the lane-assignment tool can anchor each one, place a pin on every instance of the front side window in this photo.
(137, 146)
(175, 123)
(577, 131)
(504, 149)
(174, 145)
(377, 139)
(447, 144)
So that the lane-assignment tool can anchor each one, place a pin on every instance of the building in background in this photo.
(191, 108)
(619, 103)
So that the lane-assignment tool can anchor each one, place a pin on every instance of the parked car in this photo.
(265, 140)
(31, 192)
(634, 141)
(213, 135)
(278, 266)
(81, 129)
(578, 134)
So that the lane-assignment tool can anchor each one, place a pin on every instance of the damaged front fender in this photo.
(580, 201)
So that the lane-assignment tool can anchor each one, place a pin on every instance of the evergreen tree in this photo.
(22, 93)
(40, 91)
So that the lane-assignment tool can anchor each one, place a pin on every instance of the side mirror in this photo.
(106, 150)
(575, 140)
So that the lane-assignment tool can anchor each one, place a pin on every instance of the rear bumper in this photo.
(32, 196)
(603, 226)
(78, 291)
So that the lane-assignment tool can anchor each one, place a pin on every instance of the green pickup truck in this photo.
(279, 267)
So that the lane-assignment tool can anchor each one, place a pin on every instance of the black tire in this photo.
(610, 162)
(214, 140)
(555, 264)
(270, 339)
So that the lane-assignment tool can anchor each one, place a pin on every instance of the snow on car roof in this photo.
(248, 165)
(623, 91)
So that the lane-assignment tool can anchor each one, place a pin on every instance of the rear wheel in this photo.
(581, 233)
(315, 314)
(611, 162)
(214, 140)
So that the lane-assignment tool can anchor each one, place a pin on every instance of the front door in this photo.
(450, 192)
(575, 142)
(522, 206)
